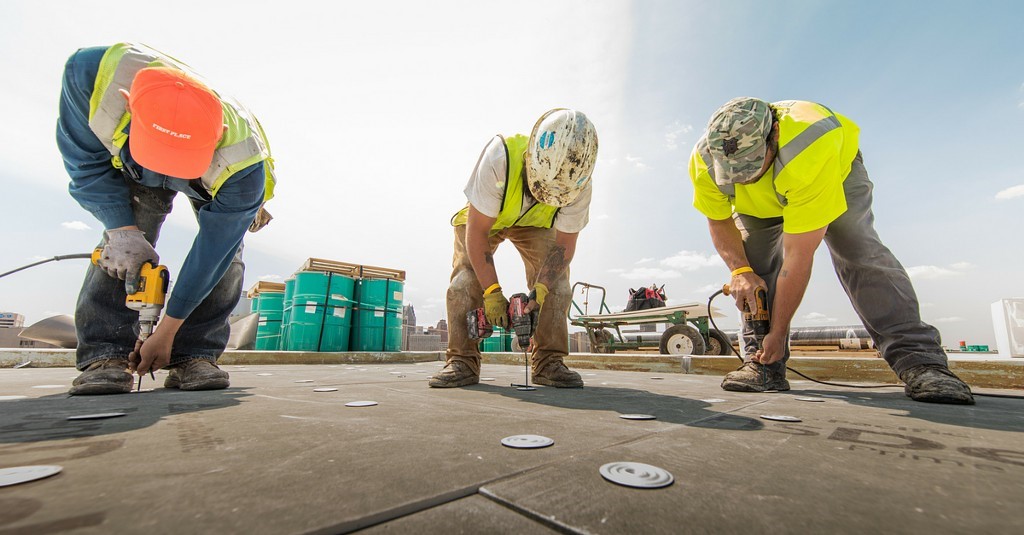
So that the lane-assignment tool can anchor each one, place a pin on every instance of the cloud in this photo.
(600, 217)
(1010, 193)
(931, 273)
(692, 261)
(708, 289)
(644, 261)
(616, 270)
(637, 162)
(817, 317)
(75, 225)
(950, 319)
(673, 132)
(270, 277)
(962, 266)
(648, 274)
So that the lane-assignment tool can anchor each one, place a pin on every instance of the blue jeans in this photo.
(108, 329)
(875, 281)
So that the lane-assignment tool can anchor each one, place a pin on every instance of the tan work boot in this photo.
(454, 374)
(107, 376)
(197, 374)
(753, 377)
(556, 374)
(934, 383)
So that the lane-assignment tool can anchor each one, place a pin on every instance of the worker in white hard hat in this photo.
(535, 192)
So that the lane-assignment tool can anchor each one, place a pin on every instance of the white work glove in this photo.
(124, 254)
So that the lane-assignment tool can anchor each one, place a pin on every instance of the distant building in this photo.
(11, 320)
(408, 315)
(11, 325)
(579, 342)
(424, 342)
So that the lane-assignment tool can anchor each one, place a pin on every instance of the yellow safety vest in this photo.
(816, 150)
(539, 215)
(243, 144)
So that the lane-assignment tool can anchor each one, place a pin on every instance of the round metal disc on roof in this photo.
(526, 441)
(24, 474)
(487, 378)
(11, 398)
(713, 400)
(50, 386)
(304, 381)
(360, 403)
(99, 416)
(638, 417)
(525, 388)
(328, 389)
(637, 475)
(780, 418)
(264, 374)
(657, 378)
(819, 400)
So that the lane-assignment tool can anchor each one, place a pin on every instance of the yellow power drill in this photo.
(758, 319)
(148, 301)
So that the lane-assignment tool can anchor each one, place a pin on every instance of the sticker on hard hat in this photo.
(546, 140)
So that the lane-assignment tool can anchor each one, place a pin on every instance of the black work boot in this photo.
(197, 374)
(754, 377)
(934, 383)
(107, 376)
(556, 374)
(456, 373)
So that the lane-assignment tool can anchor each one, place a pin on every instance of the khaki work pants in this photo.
(551, 338)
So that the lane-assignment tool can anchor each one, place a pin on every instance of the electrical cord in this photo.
(733, 349)
(54, 259)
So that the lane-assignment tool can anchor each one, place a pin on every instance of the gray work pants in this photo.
(108, 329)
(551, 339)
(875, 281)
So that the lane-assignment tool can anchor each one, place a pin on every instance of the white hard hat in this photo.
(561, 156)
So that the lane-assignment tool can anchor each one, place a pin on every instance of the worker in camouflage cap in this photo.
(775, 181)
(737, 134)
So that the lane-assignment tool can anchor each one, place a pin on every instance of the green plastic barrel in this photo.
(378, 317)
(498, 342)
(268, 329)
(254, 304)
(321, 312)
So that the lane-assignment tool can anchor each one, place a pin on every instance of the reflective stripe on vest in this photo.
(243, 144)
(786, 153)
(538, 215)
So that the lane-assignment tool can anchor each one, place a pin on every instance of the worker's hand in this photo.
(742, 287)
(537, 296)
(123, 255)
(153, 354)
(496, 309)
(773, 348)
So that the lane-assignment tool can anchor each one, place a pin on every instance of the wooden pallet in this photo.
(352, 270)
(265, 287)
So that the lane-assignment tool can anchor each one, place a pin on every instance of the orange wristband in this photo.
(492, 288)
(742, 270)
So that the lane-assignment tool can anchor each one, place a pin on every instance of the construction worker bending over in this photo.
(136, 128)
(774, 180)
(534, 192)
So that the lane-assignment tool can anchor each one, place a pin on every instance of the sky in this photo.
(376, 113)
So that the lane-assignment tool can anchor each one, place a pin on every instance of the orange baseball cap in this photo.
(176, 122)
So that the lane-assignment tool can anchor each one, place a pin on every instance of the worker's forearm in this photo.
(169, 326)
(728, 242)
(789, 291)
(480, 256)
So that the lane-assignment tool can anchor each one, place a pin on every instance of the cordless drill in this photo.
(149, 298)
(759, 319)
(519, 321)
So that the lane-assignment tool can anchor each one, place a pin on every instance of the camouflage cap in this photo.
(737, 134)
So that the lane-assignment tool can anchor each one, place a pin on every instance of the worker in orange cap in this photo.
(136, 128)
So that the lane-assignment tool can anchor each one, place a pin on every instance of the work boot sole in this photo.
(557, 384)
(741, 386)
(951, 398)
(213, 383)
(441, 383)
(99, 389)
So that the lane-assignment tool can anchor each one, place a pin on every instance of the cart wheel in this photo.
(718, 343)
(603, 339)
(682, 340)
